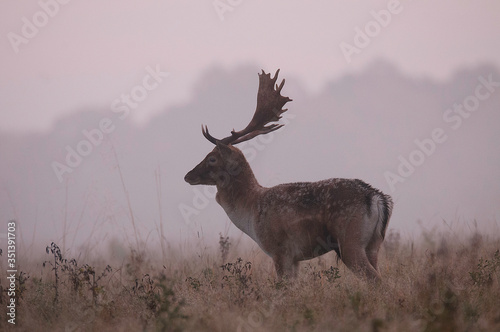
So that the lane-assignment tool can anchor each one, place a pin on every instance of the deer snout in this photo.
(192, 178)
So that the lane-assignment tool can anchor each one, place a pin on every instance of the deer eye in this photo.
(212, 160)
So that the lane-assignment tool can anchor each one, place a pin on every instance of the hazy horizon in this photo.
(352, 128)
(61, 56)
(403, 95)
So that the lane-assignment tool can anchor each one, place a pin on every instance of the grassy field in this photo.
(433, 283)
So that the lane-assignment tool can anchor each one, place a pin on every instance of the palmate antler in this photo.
(270, 104)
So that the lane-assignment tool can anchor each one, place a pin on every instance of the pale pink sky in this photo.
(90, 52)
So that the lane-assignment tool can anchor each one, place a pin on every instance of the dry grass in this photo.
(433, 284)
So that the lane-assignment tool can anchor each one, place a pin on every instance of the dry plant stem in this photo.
(161, 234)
(127, 196)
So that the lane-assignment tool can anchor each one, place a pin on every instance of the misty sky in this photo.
(87, 53)
(60, 58)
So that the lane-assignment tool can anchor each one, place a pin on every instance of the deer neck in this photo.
(238, 196)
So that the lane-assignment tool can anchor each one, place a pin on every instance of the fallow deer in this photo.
(295, 221)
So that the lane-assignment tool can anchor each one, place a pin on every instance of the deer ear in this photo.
(224, 149)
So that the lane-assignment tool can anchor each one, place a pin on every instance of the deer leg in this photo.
(372, 251)
(357, 261)
(295, 269)
(285, 267)
(353, 242)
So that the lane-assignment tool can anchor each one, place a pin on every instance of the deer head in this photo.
(218, 167)
(225, 162)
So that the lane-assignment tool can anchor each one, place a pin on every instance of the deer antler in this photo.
(269, 109)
